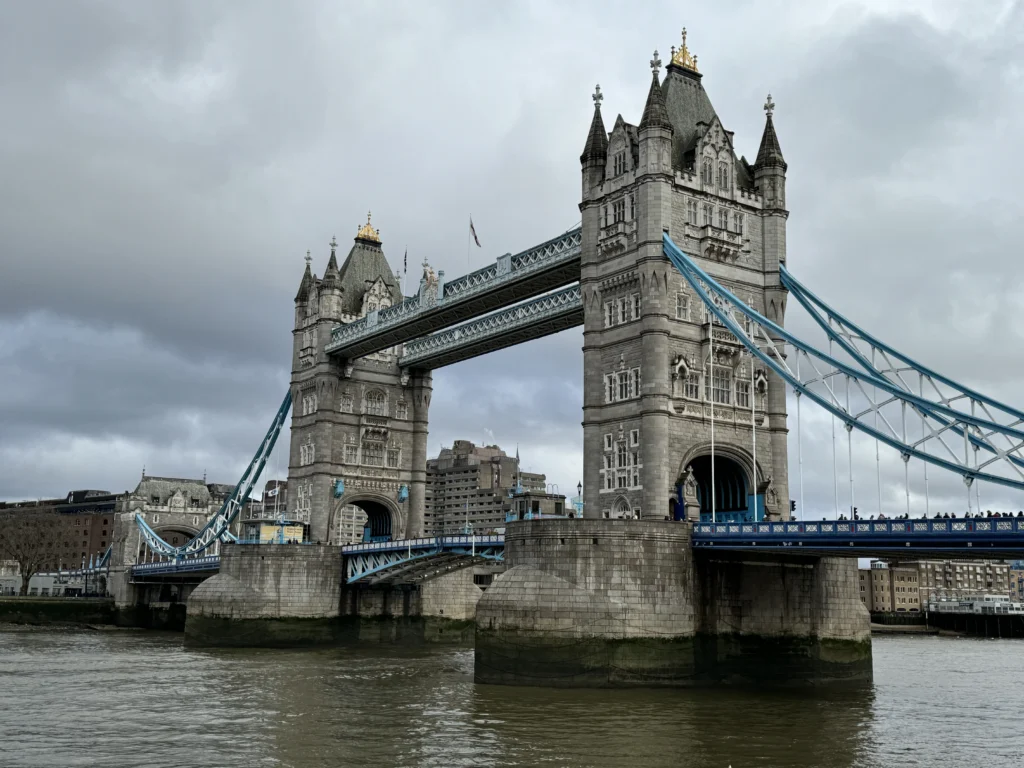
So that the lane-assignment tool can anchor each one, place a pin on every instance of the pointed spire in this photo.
(331, 274)
(655, 112)
(307, 281)
(597, 139)
(770, 153)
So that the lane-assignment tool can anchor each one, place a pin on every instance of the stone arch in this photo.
(621, 508)
(735, 488)
(384, 517)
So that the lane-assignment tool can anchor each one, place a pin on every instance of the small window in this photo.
(402, 411)
(619, 210)
(636, 306)
(723, 176)
(632, 208)
(743, 394)
(691, 212)
(392, 458)
(376, 403)
(351, 456)
(737, 223)
(345, 406)
(709, 215)
(634, 383)
(608, 442)
(723, 218)
(707, 172)
(609, 388)
(634, 437)
(624, 310)
(682, 306)
(609, 314)
(624, 385)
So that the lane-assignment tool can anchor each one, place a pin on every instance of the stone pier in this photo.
(594, 603)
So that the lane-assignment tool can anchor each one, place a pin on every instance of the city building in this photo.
(1016, 580)
(82, 530)
(959, 579)
(472, 485)
(351, 524)
(530, 504)
(886, 587)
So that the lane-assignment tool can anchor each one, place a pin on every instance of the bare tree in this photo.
(32, 538)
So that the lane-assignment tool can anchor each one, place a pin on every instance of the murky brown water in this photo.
(117, 699)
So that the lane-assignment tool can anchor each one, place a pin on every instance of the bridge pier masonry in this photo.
(680, 423)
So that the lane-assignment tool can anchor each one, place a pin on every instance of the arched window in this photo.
(376, 403)
(346, 402)
(707, 172)
(723, 176)
(622, 509)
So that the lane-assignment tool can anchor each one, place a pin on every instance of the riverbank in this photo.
(91, 612)
(902, 629)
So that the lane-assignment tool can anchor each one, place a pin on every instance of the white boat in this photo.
(987, 605)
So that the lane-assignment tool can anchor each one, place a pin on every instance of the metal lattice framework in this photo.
(874, 401)
(530, 320)
(513, 277)
(218, 528)
(415, 560)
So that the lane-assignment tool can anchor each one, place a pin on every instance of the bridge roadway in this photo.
(512, 278)
(414, 560)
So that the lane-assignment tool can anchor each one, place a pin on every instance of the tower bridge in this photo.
(686, 565)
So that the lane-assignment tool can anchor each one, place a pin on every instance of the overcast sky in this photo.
(165, 166)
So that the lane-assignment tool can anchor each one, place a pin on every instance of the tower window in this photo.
(737, 223)
(632, 208)
(373, 454)
(608, 442)
(709, 215)
(636, 306)
(691, 212)
(345, 406)
(723, 176)
(402, 411)
(624, 310)
(619, 163)
(609, 314)
(682, 306)
(707, 173)
(376, 403)
(619, 210)
(723, 218)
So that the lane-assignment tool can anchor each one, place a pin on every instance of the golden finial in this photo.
(366, 232)
(683, 58)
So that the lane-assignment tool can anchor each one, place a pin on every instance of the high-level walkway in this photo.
(512, 278)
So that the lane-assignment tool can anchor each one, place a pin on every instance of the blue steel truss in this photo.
(374, 332)
(967, 537)
(218, 528)
(876, 357)
(548, 314)
(881, 405)
(415, 560)
(202, 564)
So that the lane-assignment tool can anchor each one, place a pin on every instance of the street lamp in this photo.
(579, 489)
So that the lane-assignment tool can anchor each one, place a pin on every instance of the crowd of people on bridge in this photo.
(936, 516)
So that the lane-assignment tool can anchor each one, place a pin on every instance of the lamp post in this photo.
(579, 497)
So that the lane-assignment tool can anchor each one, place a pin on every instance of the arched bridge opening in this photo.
(733, 499)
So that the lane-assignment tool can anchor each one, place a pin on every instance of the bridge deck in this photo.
(967, 538)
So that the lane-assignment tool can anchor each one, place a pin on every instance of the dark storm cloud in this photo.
(168, 166)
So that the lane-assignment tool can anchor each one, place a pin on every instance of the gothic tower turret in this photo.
(595, 153)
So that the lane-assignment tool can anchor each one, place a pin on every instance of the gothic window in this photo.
(307, 453)
(622, 456)
(351, 455)
(707, 173)
(619, 163)
(609, 483)
(373, 453)
(709, 215)
(393, 458)
(622, 479)
(634, 383)
(624, 385)
(346, 402)
(636, 306)
(691, 212)
(609, 389)
(632, 208)
(607, 462)
(737, 223)
(376, 403)
(402, 411)
(623, 310)
(608, 442)
(742, 393)
(619, 210)
(723, 218)
(605, 216)
(721, 385)
(682, 306)
(371, 307)
(634, 438)
(691, 389)
(609, 314)
(309, 403)
(723, 176)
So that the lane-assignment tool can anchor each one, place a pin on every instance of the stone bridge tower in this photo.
(651, 381)
(359, 427)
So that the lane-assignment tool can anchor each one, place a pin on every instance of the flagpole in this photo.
(468, 231)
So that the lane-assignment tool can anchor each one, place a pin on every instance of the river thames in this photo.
(130, 698)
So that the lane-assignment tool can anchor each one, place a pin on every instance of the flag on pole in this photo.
(405, 262)
(472, 231)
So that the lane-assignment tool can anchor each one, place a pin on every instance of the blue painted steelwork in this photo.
(375, 331)
(217, 529)
(964, 537)
(488, 331)
(173, 567)
(845, 333)
(776, 361)
(408, 560)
